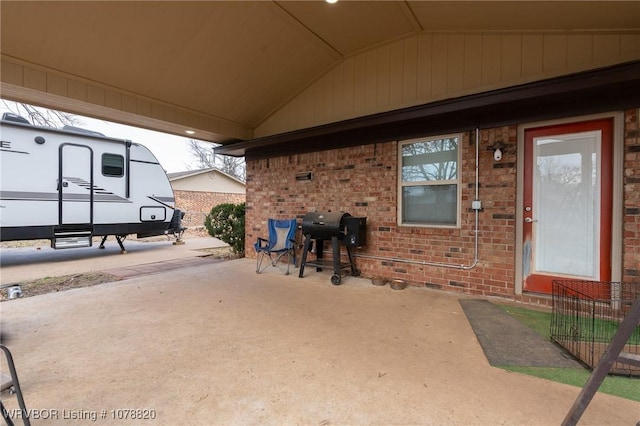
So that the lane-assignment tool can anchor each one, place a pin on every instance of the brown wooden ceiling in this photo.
(239, 61)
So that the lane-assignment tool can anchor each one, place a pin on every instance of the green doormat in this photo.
(507, 342)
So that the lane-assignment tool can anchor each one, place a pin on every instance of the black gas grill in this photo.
(339, 227)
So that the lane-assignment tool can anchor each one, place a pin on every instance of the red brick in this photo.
(362, 180)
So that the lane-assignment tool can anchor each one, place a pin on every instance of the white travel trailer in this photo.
(72, 184)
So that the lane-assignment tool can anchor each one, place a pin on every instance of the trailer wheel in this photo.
(335, 279)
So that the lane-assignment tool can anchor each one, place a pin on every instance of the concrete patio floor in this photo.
(217, 344)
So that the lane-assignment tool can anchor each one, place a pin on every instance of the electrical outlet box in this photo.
(476, 205)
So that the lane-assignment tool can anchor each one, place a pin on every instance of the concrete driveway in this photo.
(216, 344)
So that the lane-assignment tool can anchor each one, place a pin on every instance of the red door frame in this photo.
(540, 283)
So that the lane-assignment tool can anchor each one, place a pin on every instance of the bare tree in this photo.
(41, 116)
(430, 160)
(205, 158)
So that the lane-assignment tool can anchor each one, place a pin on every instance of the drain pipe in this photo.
(476, 231)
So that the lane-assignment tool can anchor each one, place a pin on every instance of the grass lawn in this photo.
(625, 387)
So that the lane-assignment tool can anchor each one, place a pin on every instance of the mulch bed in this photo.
(54, 284)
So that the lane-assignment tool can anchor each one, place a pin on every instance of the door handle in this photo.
(529, 220)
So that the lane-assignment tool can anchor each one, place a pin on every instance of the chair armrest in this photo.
(261, 243)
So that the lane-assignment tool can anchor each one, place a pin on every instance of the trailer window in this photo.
(112, 165)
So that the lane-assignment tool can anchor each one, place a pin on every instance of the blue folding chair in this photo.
(281, 243)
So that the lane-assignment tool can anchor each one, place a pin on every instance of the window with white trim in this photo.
(429, 189)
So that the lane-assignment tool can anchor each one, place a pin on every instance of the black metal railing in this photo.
(586, 316)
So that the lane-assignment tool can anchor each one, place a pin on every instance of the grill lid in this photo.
(323, 224)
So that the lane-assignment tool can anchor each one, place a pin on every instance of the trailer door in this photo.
(75, 185)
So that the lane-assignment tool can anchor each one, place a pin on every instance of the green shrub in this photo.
(226, 222)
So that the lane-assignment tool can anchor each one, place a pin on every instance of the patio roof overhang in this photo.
(600, 90)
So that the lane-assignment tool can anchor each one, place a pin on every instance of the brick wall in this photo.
(197, 204)
(363, 182)
(631, 246)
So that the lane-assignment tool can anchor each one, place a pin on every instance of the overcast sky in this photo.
(171, 151)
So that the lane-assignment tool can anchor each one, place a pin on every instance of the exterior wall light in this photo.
(497, 154)
(498, 150)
